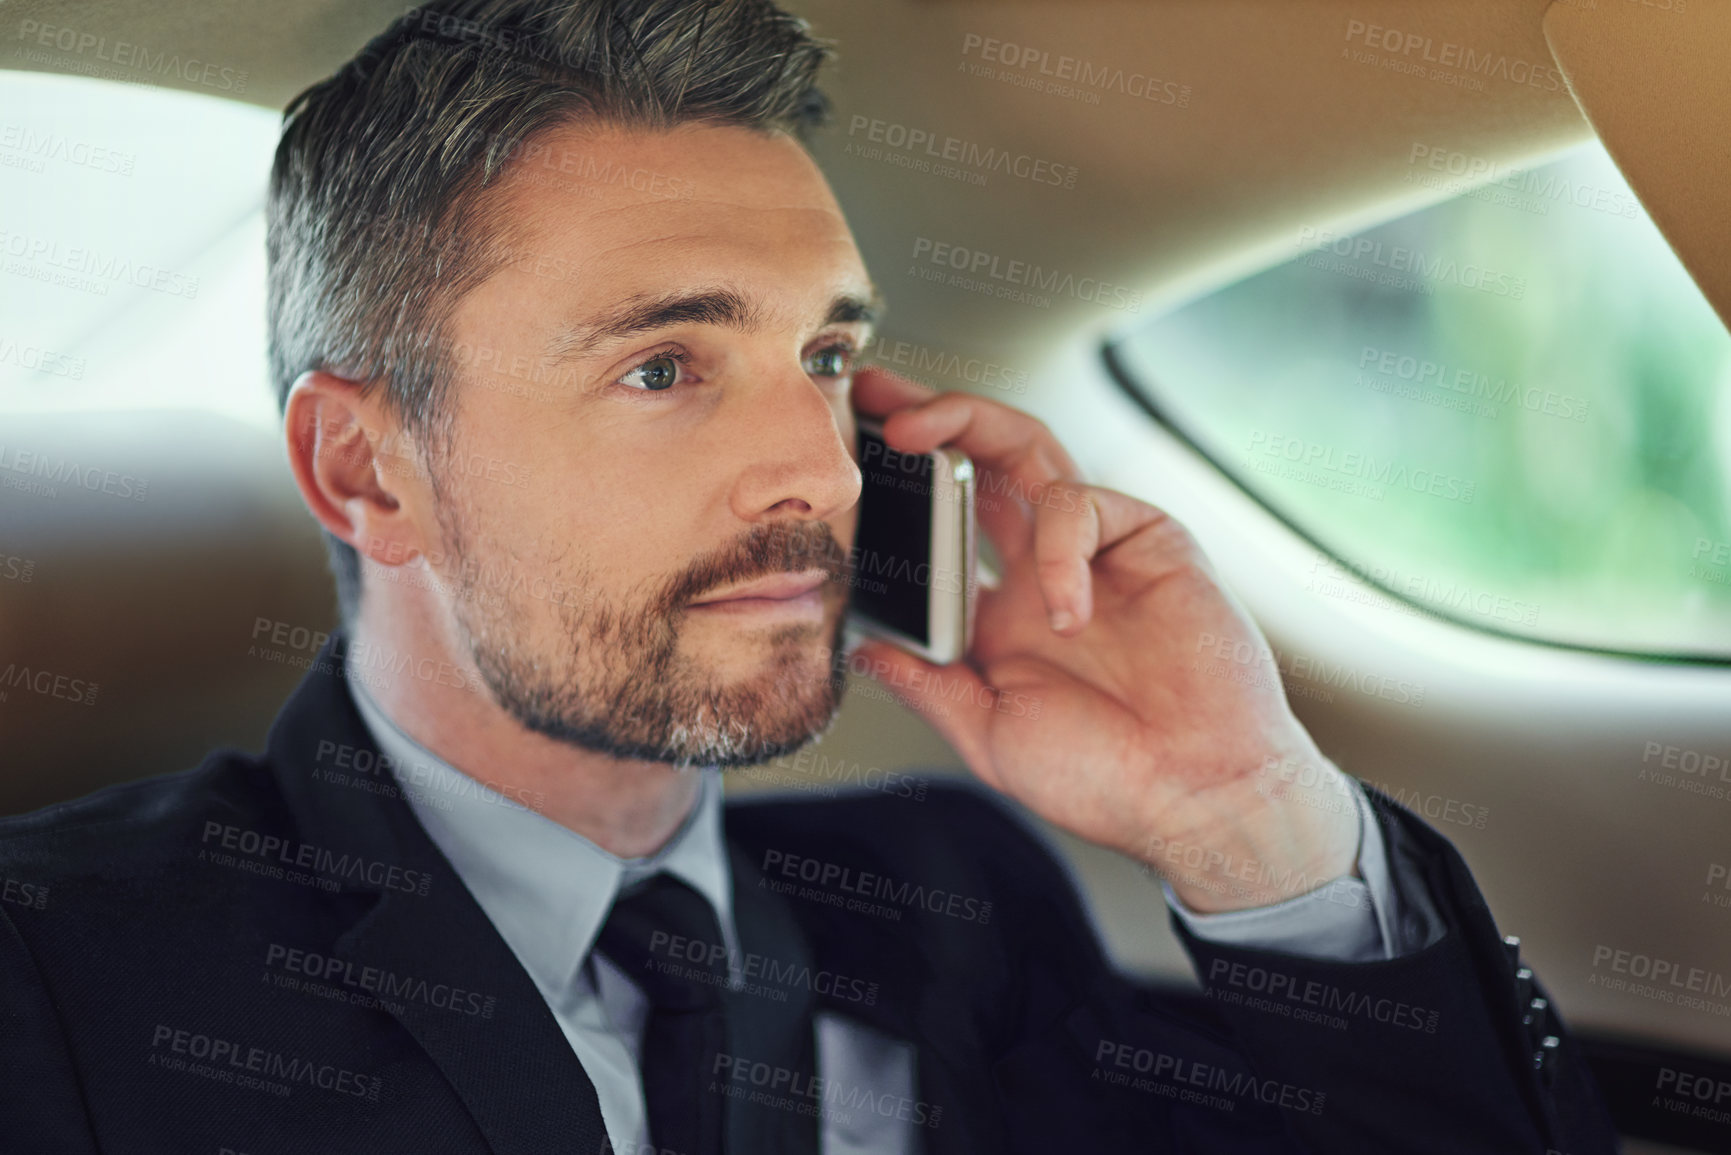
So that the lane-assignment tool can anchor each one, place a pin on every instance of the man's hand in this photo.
(1093, 691)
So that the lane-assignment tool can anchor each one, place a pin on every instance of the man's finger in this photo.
(998, 438)
(1066, 537)
(1074, 525)
(877, 392)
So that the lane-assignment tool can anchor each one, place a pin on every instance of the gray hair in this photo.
(377, 222)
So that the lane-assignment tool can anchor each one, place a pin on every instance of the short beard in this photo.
(618, 686)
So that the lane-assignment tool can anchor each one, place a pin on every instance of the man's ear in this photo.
(353, 467)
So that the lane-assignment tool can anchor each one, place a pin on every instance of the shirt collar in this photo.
(545, 888)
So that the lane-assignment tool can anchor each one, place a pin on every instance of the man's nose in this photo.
(797, 459)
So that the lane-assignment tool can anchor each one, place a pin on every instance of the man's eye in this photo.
(831, 361)
(656, 374)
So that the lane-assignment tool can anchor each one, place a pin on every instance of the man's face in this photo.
(652, 414)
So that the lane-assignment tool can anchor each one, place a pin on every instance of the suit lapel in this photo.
(509, 1062)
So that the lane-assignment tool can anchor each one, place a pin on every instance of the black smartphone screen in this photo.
(893, 543)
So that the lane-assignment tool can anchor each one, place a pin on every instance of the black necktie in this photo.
(665, 936)
(708, 1050)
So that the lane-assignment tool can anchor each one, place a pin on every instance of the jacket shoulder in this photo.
(139, 825)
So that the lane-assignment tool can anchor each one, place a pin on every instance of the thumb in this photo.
(952, 698)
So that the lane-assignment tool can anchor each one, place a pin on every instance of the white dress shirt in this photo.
(548, 890)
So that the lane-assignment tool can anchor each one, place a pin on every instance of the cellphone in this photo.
(915, 555)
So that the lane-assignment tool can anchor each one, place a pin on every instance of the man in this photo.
(564, 317)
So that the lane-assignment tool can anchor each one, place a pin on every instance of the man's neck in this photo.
(628, 808)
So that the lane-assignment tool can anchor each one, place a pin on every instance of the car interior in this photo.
(1413, 314)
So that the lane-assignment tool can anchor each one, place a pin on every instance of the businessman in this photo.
(564, 320)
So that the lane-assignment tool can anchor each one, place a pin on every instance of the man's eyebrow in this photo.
(726, 307)
(847, 308)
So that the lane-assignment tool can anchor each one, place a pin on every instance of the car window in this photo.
(131, 248)
(1509, 408)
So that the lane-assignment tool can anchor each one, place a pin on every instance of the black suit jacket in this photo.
(145, 1003)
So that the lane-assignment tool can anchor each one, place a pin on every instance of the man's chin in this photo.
(771, 715)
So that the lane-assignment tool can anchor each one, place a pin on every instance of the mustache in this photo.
(778, 547)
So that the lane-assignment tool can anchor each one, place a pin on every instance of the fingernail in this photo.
(1062, 620)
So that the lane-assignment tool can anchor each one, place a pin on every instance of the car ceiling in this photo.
(1281, 128)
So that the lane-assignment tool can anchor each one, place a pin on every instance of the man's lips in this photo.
(782, 597)
(779, 587)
